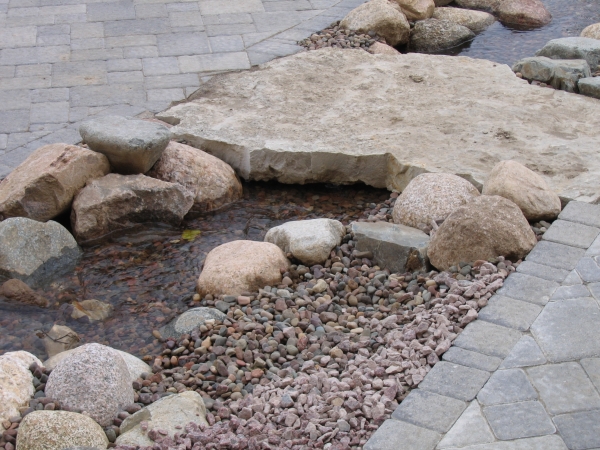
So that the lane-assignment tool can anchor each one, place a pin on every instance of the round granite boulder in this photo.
(433, 35)
(591, 31)
(384, 17)
(476, 21)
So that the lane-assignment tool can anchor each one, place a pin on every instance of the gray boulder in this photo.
(433, 35)
(573, 48)
(481, 5)
(36, 252)
(190, 320)
(131, 145)
(476, 21)
(589, 87)
(395, 247)
(559, 73)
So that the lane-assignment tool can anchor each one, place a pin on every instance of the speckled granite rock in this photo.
(190, 320)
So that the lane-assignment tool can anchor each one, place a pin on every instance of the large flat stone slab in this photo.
(345, 116)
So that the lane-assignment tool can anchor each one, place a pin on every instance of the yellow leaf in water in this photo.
(190, 235)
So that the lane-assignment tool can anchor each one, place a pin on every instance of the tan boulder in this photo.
(480, 5)
(476, 21)
(211, 182)
(94, 310)
(384, 17)
(58, 340)
(485, 228)
(529, 13)
(431, 196)
(18, 291)
(118, 202)
(525, 188)
(382, 49)
(241, 266)
(43, 186)
(592, 31)
(417, 9)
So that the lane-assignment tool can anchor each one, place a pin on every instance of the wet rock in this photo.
(433, 35)
(18, 291)
(591, 31)
(589, 87)
(59, 339)
(432, 196)
(169, 415)
(131, 145)
(36, 252)
(573, 48)
(191, 320)
(94, 310)
(485, 228)
(382, 49)
(43, 186)
(241, 266)
(57, 430)
(476, 21)
(559, 73)
(528, 13)
(93, 378)
(417, 9)
(118, 202)
(384, 17)
(211, 182)
(309, 241)
(528, 190)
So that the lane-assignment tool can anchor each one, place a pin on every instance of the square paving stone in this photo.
(454, 380)
(542, 271)
(588, 270)
(555, 255)
(552, 442)
(592, 368)
(525, 354)
(471, 359)
(488, 338)
(574, 291)
(510, 313)
(429, 410)
(581, 212)
(394, 434)
(571, 233)
(527, 288)
(519, 420)
(564, 388)
(568, 330)
(470, 429)
(580, 431)
(507, 386)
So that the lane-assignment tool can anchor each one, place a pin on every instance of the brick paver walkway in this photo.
(62, 61)
(526, 374)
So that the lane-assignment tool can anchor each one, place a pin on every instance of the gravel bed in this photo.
(337, 37)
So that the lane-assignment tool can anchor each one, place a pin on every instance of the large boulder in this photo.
(59, 339)
(487, 227)
(43, 186)
(417, 9)
(131, 145)
(16, 383)
(433, 35)
(384, 17)
(527, 13)
(309, 241)
(211, 182)
(476, 21)
(481, 5)
(591, 31)
(118, 202)
(57, 430)
(241, 266)
(525, 188)
(191, 320)
(562, 74)
(36, 252)
(589, 87)
(573, 48)
(93, 378)
(431, 196)
(169, 414)
(18, 291)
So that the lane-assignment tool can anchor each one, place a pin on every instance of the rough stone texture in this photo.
(589, 87)
(94, 310)
(44, 185)
(519, 420)
(591, 31)
(431, 196)
(309, 241)
(18, 291)
(485, 228)
(481, 5)
(241, 266)
(93, 378)
(573, 48)
(169, 414)
(190, 320)
(528, 190)
(271, 133)
(211, 182)
(528, 13)
(470, 429)
(117, 202)
(561, 74)
(131, 145)
(59, 339)
(433, 35)
(36, 252)
(57, 430)
(476, 21)
(417, 9)
(16, 387)
(382, 49)
(396, 247)
(429, 410)
(381, 16)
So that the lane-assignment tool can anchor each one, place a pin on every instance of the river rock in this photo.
(131, 145)
(528, 190)
(433, 35)
(476, 21)
(118, 202)
(93, 378)
(170, 414)
(417, 9)
(431, 196)
(59, 339)
(591, 31)
(573, 48)
(384, 17)
(16, 290)
(57, 430)
(379, 48)
(589, 87)
(43, 186)
(444, 110)
(190, 320)
(211, 182)
(562, 74)
(486, 227)
(527, 13)
(481, 5)
(36, 252)
(241, 266)
(16, 387)
(94, 310)
(309, 241)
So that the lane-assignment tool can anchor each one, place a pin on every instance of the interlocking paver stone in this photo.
(574, 291)
(488, 338)
(454, 380)
(542, 271)
(555, 255)
(471, 359)
(581, 212)
(552, 442)
(592, 368)
(429, 410)
(519, 420)
(588, 270)
(507, 386)
(527, 288)
(510, 313)
(571, 233)
(471, 428)
(525, 353)
(394, 434)
(580, 431)
(572, 279)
